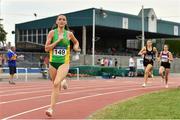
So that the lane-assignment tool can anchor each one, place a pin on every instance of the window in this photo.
(29, 38)
(44, 39)
(34, 38)
(25, 32)
(29, 32)
(39, 39)
(49, 29)
(34, 31)
(25, 37)
(44, 31)
(21, 32)
(34, 35)
(125, 23)
(39, 31)
(132, 44)
(20, 38)
(30, 35)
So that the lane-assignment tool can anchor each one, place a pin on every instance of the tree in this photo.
(3, 34)
(174, 46)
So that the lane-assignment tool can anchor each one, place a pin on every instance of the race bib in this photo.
(164, 59)
(149, 57)
(59, 52)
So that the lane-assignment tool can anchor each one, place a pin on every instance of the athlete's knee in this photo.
(146, 71)
(167, 73)
(160, 72)
(56, 84)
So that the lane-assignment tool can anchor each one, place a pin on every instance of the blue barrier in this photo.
(23, 70)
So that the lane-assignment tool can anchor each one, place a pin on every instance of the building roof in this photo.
(146, 12)
(112, 20)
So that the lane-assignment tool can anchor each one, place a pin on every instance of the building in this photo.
(115, 32)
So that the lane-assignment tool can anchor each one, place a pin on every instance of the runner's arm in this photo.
(170, 56)
(156, 52)
(142, 51)
(75, 42)
(159, 58)
(48, 45)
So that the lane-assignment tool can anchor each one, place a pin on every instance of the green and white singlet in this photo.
(61, 52)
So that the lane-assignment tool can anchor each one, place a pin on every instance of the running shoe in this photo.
(151, 75)
(49, 112)
(12, 83)
(144, 85)
(64, 84)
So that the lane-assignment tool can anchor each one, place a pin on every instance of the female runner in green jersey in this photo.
(58, 46)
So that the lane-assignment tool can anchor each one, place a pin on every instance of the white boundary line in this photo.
(92, 86)
(66, 93)
(35, 87)
(24, 89)
(75, 99)
(23, 86)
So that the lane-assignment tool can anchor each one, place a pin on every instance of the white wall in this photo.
(152, 23)
(123, 61)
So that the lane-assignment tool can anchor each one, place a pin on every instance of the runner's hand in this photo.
(144, 52)
(60, 37)
(76, 48)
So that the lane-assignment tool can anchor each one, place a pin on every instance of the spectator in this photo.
(110, 62)
(12, 56)
(116, 62)
(106, 61)
(41, 62)
(102, 62)
(109, 50)
(99, 62)
(113, 51)
(46, 62)
(4, 60)
(1, 62)
(131, 66)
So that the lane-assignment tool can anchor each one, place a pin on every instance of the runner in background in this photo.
(165, 58)
(149, 54)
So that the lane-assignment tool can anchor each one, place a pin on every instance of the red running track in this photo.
(30, 100)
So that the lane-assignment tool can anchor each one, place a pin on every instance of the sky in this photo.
(18, 11)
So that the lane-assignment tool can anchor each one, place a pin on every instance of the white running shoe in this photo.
(152, 76)
(166, 86)
(49, 112)
(64, 84)
(163, 79)
(144, 85)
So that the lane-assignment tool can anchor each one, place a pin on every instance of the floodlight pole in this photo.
(142, 45)
(93, 37)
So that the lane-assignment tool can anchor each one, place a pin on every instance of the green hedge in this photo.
(89, 70)
(174, 46)
(140, 72)
(98, 70)
(156, 72)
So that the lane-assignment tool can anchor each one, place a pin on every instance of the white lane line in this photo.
(66, 93)
(24, 89)
(30, 87)
(93, 86)
(75, 99)
(39, 91)
(25, 85)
